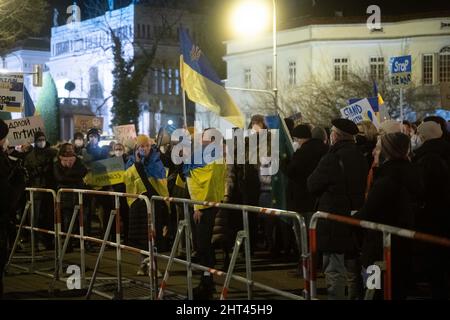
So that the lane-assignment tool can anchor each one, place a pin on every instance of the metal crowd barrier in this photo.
(242, 237)
(114, 215)
(29, 209)
(387, 232)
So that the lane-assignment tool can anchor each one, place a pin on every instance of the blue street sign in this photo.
(400, 69)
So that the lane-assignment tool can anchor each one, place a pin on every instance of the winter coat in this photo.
(339, 183)
(302, 164)
(39, 164)
(393, 200)
(70, 178)
(5, 192)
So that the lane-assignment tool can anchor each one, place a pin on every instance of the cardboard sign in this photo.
(11, 92)
(84, 123)
(22, 131)
(106, 172)
(445, 95)
(125, 133)
(360, 111)
(400, 69)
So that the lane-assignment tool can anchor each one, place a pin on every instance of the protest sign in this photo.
(400, 69)
(360, 111)
(22, 131)
(125, 133)
(11, 92)
(106, 172)
(84, 123)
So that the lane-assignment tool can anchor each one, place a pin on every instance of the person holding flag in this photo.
(202, 84)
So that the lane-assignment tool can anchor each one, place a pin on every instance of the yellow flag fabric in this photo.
(207, 183)
(134, 184)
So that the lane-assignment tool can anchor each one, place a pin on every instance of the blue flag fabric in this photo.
(29, 104)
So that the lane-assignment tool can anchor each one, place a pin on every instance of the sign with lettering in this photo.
(106, 172)
(84, 123)
(11, 92)
(400, 70)
(360, 111)
(125, 133)
(22, 131)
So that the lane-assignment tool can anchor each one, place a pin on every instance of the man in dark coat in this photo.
(39, 164)
(433, 159)
(5, 190)
(392, 201)
(339, 182)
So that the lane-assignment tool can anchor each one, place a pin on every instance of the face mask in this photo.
(41, 144)
(118, 153)
(79, 143)
(93, 140)
(295, 145)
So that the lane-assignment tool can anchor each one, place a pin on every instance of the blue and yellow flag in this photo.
(202, 84)
(206, 181)
(155, 171)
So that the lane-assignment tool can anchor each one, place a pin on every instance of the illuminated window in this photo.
(292, 73)
(427, 65)
(248, 78)
(341, 69)
(377, 68)
(444, 65)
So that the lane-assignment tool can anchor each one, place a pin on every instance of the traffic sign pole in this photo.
(401, 105)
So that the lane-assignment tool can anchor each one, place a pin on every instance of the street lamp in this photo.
(250, 19)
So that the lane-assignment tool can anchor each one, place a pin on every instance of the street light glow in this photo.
(250, 18)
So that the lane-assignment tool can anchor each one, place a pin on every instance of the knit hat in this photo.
(38, 135)
(93, 131)
(429, 130)
(3, 129)
(66, 150)
(395, 145)
(345, 125)
(143, 139)
(302, 131)
(78, 135)
(390, 126)
(319, 133)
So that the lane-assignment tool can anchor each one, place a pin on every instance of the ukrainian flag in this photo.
(155, 172)
(380, 100)
(202, 84)
(206, 181)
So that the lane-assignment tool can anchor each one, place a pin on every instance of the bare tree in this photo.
(20, 19)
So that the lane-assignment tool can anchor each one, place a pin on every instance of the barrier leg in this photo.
(59, 269)
(58, 273)
(387, 262)
(301, 236)
(151, 247)
(100, 255)
(312, 262)
(16, 241)
(181, 227)
(248, 264)
(33, 240)
(237, 245)
(118, 251)
(187, 234)
(82, 249)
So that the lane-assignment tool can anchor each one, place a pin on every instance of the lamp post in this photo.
(275, 58)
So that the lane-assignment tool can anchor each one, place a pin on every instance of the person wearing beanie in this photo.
(321, 134)
(39, 165)
(390, 126)
(392, 200)
(442, 124)
(300, 167)
(93, 152)
(339, 182)
(433, 159)
(5, 204)
(69, 172)
(145, 174)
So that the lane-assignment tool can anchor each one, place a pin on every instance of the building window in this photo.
(292, 73)
(149, 36)
(269, 77)
(248, 78)
(169, 82)
(341, 69)
(95, 90)
(163, 81)
(444, 65)
(155, 80)
(138, 29)
(377, 68)
(143, 31)
(427, 69)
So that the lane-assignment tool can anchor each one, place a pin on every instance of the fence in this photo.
(30, 209)
(387, 232)
(242, 236)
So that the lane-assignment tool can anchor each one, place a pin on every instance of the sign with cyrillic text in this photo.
(22, 131)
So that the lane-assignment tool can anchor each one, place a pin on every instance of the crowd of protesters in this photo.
(397, 175)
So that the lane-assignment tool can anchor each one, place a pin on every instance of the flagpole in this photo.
(184, 108)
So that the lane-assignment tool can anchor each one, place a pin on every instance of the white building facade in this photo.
(330, 51)
(82, 53)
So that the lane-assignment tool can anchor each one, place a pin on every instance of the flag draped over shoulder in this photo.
(155, 172)
(202, 84)
(206, 181)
